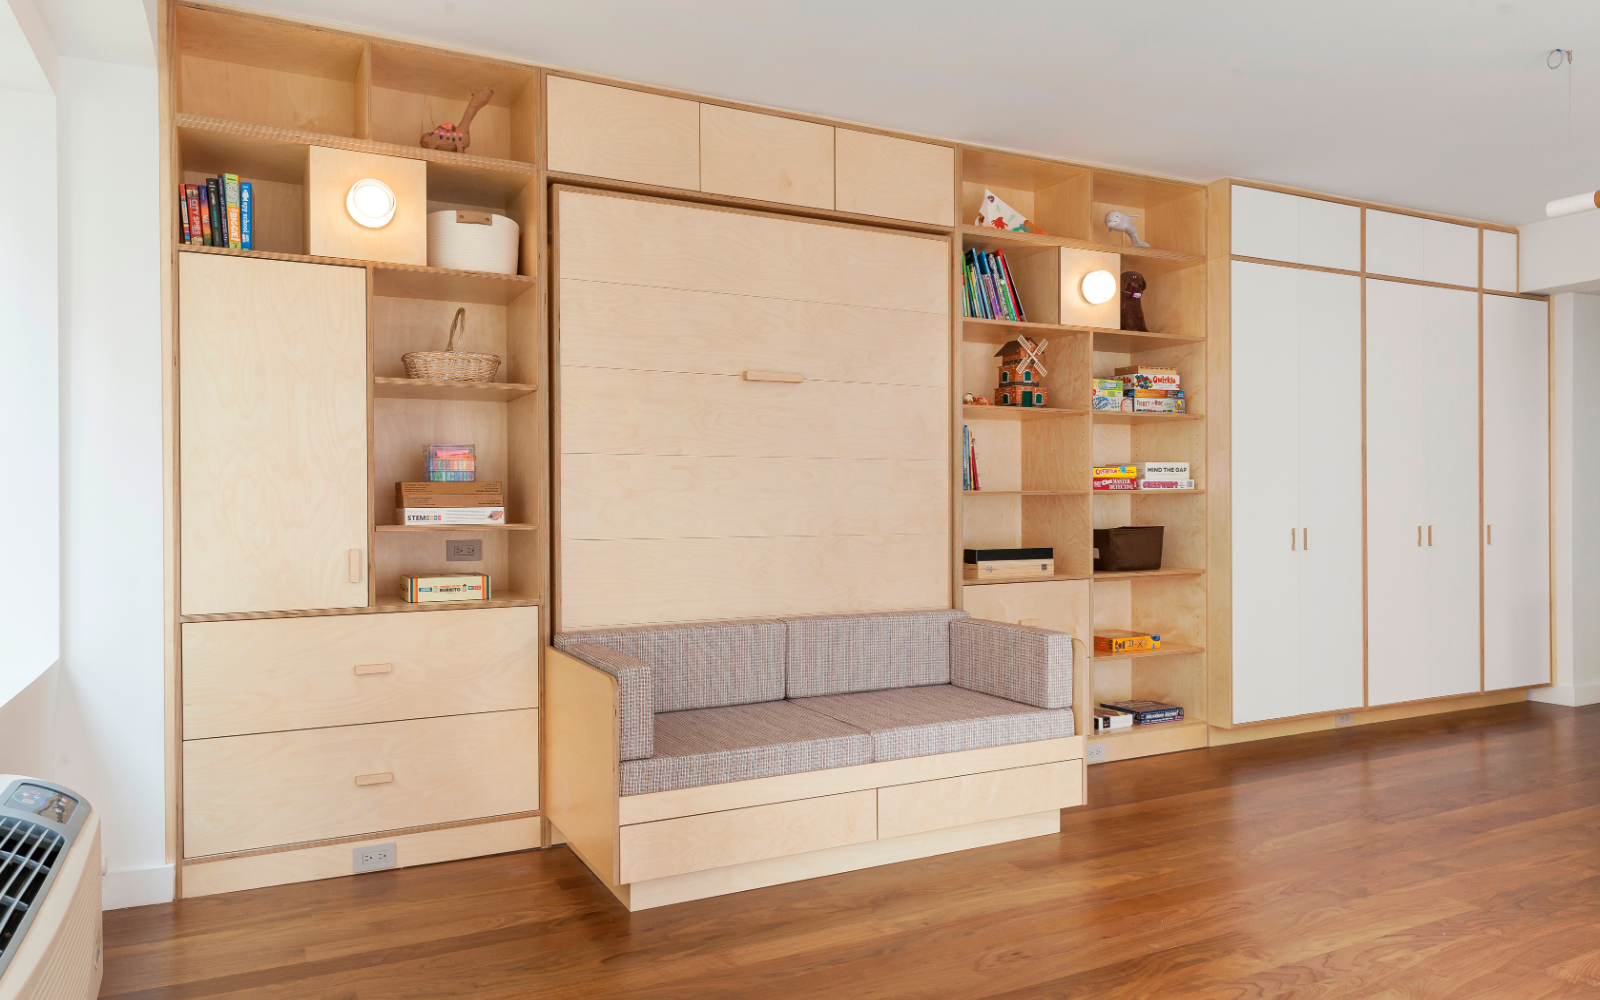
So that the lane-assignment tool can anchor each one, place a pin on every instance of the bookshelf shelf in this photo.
(1147, 574)
(1044, 240)
(510, 599)
(458, 528)
(974, 411)
(1124, 342)
(477, 392)
(1109, 417)
(1153, 730)
(998, 331)
(383, 605)
(1025, 493)
(1167, 649)
(1148, 493)
(1028, 579)
(407, 280)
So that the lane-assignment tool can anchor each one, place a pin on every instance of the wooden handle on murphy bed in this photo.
(363, 669)
(774, 377)
(382, 778)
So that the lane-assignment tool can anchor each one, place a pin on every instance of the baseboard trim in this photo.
(139, 887)
(1363, 716)
(1572, 696)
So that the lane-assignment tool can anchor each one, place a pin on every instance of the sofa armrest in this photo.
(1016, 662)
(637, 691)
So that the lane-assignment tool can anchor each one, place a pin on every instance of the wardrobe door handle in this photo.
(1491, 533)
(1419, 536)
(363, 669)
(1305, 539)
(751, 376)
(1291, 541)
(1430, 536)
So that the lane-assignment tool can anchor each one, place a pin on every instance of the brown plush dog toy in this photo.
(1133, 302)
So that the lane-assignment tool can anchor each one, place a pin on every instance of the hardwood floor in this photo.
(1455, 856)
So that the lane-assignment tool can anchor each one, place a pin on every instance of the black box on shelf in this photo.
(1119, 550)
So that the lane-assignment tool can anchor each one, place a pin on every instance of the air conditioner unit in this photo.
(49, 892)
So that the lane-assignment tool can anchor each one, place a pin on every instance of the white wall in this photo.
(27, 728)
(109, 695)
(1575, 497)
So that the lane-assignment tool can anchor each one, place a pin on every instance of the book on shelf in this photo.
(439, 588)
(990, 290)
(1146, 712)
(1166, 484)
(438, 494)
(450, 515)
(1164, 470)
(218, 213)
(966, 465)
(1116, 472)
(1116, 485)
(1107, 719)
(1118, 640)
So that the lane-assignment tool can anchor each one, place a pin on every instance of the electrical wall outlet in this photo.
(374, 857)
(463, 550)
(1345, 719)
(1096, 753)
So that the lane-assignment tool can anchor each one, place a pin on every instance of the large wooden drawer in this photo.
(271, 674)
(714, 840)
(977, 798)
(242, 793)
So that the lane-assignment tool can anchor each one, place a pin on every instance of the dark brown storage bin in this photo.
(1118, 550)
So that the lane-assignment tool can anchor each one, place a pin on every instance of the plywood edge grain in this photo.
(582, 732)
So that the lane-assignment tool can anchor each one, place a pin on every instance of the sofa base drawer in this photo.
(977, 798)
(738, 836)
(242, 793)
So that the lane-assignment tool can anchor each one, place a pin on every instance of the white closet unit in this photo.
(1296, 518)
(1422, 249)
(1422, 491)
(1516, 492)
(1275, 226)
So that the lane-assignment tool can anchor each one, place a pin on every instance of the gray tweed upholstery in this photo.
(915, 722)
(703, 665)
(1016, 662)
(635, 692)
(839, 654)
(716, 745)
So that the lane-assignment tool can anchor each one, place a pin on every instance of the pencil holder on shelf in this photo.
(450, 364)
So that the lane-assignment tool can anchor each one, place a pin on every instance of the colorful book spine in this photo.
(1115, 472)
(247, 215)
(216, 236)
(183, 213)
(230, 197)
(972, 460)
(1008, 298)
(1016, 300)
(993, 289)
(191, 198)
(1129, 485)
(966, 449)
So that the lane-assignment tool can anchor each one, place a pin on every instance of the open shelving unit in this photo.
(1035, 463)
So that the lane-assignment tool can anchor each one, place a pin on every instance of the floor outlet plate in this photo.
(1096, 753)
(374, 857)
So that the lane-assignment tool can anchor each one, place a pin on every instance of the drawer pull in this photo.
(362, 669)
(774, 377)
(375, 779)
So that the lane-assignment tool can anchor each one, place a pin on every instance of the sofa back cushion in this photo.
(701, 665)
(842, 654)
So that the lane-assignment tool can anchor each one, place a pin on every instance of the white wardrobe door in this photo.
(1331, 647)
(1454, 588)
(1275, 226)
(1516, 493)
(1266, 605)
(1424, 249)
(1398, 349)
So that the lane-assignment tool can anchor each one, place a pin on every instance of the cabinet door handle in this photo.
(1292, 541)
(1305, 539)
(1419, 536)
(355, 565)
(363, 669)
(773, 377)
(1491, 534)
(1430, 536)
(382, 778)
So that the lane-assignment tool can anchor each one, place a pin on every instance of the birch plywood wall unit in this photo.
(295, 664)
(1036, 464)
(1353, 535)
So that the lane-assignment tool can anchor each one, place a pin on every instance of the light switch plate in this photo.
(1096, 753)
(374, 857)
(1345, 719)
(463, 550)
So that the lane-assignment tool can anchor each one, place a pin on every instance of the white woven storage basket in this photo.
(461, 240)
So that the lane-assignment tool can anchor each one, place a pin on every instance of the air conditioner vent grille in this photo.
(28, 854)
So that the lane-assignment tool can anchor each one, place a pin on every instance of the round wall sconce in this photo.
(371, 203)
(1099, 287)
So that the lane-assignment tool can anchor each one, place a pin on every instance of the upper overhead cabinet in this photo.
(1274, 226)
(1406, 246)
(664, 141)
(1499, 261)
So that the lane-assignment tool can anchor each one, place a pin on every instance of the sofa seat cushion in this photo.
(918, 721)
(710, 746)
(702, 664)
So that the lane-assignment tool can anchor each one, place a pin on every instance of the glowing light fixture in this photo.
(371, 203)
(1099, 287)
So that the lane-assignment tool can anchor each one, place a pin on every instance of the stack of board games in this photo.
(1144, 476)
(1106, 720)
(438, 588)
(1116, 477)
(1140, 389)
(449, 503)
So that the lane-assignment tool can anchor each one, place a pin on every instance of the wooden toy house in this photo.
(1020, 375)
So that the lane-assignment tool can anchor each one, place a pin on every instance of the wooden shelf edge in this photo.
(457, 527)
(1137, 730)
(1024, 493)
(1147, 574)
(1118, 417)
(418, 388)
(270, 133)
(1167, 649)
(380, 265)
(979, 411)
(1046, 240)
(1058, 578)
(1062, 328)
(1147, 493)
(384, 605)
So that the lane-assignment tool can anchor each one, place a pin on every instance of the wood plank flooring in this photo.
(1455, 856)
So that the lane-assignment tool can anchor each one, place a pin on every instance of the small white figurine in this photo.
(1118, 222)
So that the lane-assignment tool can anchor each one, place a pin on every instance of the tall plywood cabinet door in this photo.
(273, 384)
(1516, 493)
(1422, 492)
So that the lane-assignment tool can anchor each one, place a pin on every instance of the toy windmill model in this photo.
(453, 138)
(1021, 371)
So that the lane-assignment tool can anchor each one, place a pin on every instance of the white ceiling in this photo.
(1441, 105)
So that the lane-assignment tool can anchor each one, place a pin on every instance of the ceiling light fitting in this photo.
(1099, 287)
(371, 203)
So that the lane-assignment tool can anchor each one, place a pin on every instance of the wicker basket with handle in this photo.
(451, 364)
